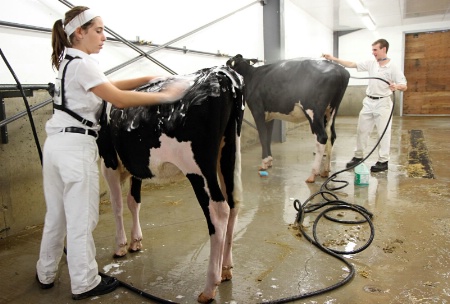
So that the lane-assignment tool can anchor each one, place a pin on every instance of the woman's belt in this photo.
(79, 130)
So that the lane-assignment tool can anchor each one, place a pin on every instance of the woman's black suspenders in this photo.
(62, 106)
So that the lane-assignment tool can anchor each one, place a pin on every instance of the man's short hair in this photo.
(383, 43)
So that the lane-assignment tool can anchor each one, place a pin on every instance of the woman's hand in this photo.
(175, 90)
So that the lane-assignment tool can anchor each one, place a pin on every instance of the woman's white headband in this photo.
(79, 20)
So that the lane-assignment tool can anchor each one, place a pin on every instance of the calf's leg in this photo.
(231, 185)
(112, 178)
(133, 202)
(219, 213)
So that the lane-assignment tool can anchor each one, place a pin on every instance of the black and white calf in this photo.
(198, 137)
(294, 90)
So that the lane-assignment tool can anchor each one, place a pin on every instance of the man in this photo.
(377, 104)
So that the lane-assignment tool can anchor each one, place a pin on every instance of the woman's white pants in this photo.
(71, 188)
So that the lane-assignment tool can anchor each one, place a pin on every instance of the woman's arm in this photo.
(131, 84)
(123, 98)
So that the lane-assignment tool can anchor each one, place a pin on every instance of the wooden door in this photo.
(427, 70)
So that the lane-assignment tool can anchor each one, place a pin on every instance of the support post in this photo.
(4, 129)
(273, 15)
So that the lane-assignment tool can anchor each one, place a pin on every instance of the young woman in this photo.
(70, 170)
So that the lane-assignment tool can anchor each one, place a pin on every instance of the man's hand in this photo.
(328, 57)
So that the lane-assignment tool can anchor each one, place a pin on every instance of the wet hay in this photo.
(419, 163)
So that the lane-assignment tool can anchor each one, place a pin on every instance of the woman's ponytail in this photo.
(60, 41)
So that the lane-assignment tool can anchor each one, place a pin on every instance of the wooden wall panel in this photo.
(427, 70)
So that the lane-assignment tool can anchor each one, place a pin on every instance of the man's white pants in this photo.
(375, 112)
(71, 188)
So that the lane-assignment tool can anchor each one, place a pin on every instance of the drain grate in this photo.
(419, 163)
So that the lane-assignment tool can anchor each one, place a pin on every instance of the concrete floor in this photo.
(407, 262)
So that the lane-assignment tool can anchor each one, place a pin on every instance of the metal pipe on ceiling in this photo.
(111, 39)
(126, 42)
(132, 46)
(146, 54)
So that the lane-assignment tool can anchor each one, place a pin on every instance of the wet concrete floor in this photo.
(407, 262)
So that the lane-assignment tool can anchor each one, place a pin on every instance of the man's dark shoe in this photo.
(44, 286)
(379, 167)
(106, 285)
(353, 162)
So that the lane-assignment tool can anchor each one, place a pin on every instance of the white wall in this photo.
(28, 52)
(305, 36)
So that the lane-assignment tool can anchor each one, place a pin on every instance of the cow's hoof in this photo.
(325, 174)
(131, 250)
(118, 256)
(227, 274)
(135, 246)
(266, 163)
(204, 299)
(311, 179)
(121, 252)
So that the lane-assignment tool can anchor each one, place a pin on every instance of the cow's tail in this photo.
(105, 145)
(237, 175)
(239, 106)
(231, 151)
(344, 77)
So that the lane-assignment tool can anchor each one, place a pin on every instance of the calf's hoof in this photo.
(117, 256)
(135, 246)
(311, 179)
(204, 299)
(227, 274)
(121, 252)
(325, 174)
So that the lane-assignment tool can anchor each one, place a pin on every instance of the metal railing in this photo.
(117, 38)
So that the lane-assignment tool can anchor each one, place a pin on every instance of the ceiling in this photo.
(339, 16)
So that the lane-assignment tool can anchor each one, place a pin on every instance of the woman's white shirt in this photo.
(82, 75)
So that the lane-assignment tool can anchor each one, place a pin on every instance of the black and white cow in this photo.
(293, 90)
(198, 137)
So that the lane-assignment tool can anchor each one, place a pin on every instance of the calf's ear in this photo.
(252, 61)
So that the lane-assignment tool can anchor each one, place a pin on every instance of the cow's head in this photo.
(238, 63)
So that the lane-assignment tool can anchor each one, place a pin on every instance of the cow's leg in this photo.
(265, 138)
(219, 213)
(320, 149)
(321, 140)
(267, 160)
(133, 201)
(216, 211)
(331, 137)
(115, 193)
(227, 264)
(328, 148)
(232, 186)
